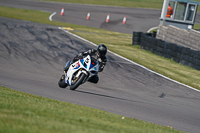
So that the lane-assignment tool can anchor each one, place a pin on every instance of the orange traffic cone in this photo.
(62, 12)
(124, 20)
(108, 18)
(88, 16)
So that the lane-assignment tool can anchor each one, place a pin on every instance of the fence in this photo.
(178, 53)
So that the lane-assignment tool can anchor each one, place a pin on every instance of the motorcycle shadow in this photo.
(102, 95)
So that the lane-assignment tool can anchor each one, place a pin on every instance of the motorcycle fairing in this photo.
(82, 65)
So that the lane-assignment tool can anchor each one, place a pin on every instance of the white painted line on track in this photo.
(50, 17)
(152, 29)
(132, 61)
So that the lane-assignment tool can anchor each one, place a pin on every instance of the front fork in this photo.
(67, 65)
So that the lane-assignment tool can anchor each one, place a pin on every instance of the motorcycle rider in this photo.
(99, 54)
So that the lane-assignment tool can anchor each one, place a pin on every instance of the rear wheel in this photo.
(77, 81)
(61, 82)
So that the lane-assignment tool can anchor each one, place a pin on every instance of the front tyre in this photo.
(61, 82)
(78, 81)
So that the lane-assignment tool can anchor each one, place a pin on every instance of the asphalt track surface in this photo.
(32, 57)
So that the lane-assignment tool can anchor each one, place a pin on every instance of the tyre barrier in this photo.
(179, 54)
(136, 38)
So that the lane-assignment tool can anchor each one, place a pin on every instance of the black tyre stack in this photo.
(136, 38)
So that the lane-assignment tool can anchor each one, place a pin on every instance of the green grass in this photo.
(26, 113)
(31, 15)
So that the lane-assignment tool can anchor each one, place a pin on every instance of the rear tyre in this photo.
(61, 82)
(78, 81)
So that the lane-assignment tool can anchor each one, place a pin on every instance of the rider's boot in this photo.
(63, 77)
(67, 66)
(94, 79)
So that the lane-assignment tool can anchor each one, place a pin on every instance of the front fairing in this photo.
(85, 64)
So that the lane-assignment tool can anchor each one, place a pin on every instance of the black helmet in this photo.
(102, 50)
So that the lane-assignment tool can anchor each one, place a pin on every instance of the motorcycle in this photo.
(79, 72)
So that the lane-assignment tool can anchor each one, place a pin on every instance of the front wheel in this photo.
(61, 82)
(78, 81)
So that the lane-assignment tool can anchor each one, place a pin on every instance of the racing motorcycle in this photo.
(79, 72)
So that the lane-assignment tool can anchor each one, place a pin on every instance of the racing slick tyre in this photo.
(61, 82)
(78, 81)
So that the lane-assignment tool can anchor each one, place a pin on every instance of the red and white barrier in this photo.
(124, 20)
(108, 18)
(62, 12)
(88, 16)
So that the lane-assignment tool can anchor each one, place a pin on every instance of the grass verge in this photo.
(26, 113)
